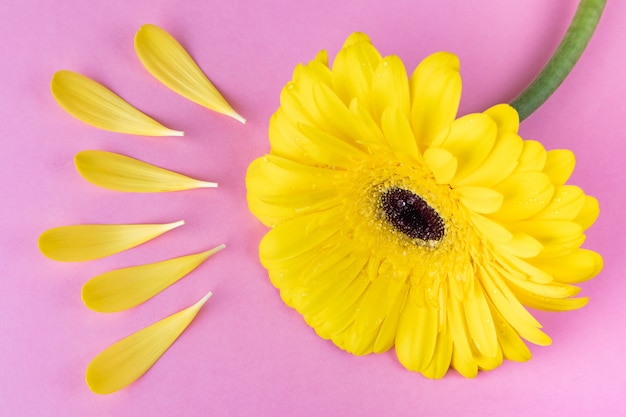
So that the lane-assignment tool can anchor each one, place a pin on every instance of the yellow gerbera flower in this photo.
(395, 223)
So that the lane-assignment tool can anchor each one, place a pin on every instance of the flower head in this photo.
(395, 223)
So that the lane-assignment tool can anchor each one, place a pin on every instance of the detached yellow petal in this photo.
(168, 62)
(93, 241)
(124, 288)
(95, 104)
(122, 173)
(125, 361)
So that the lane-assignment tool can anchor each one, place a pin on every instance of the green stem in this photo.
(565, 57)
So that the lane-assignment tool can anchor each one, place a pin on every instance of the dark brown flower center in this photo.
(411, 215)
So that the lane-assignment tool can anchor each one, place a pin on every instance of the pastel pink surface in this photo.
(247, 354)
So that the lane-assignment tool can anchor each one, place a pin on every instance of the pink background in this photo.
(247, 354)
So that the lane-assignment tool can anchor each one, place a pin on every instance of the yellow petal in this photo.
(322, 57)
(442, 357)
(324, 274)
(522, 245)
(435, 87)
(326, 149)
(470, 140)
(589, 212)
(525, 194)
(279, 188)
(532, 158)
(442, 163)
(550, 290)
(480, 199)
(578, 266)
(416, 336)
(494, 231)
(505, 116)
(462, 356)
(353, 69)
(507, 306)
(390, 87)
(513, 348)
(298, 235)
(339, 312)
(375, 306)
(399, 134)
(554, 304)
(341, 120)
(93, 241)
(480, 324)
(514, 265)
(498, 165)
(548, 297)
(95, 104)
(124, 288)
(301, 89)
(567, 203)
(559, 165)
(122, 173)
(124, 362)
(168, 62)
(387, 334)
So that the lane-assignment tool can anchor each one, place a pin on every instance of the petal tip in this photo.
(239, 118)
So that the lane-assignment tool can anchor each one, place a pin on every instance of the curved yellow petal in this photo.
(93, 241)
(124, 362)
(480, 199)
(374, 307)
(435, 88)
(275, 193)
(95, 104)
(554, 304)
(492, 230)
(480, 324)
(505, 116)
(390, 87)
(125, 288)
(522, 245)
(577, 266)
(567, 203)
(560, 164)
(549, 297)
(416, 335)
(462, 357)
(498, 165)
(442, 163)
(354, 67)
(341, 120)
(286, 240)
(399, 134)
(525, 194)
(470, 139)
(510, 311)
(532, 158)
(387, 334)
(513, 348)
(122, 173)
(588, 213)
(442, 357)
(170, 63)
(322, 57)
